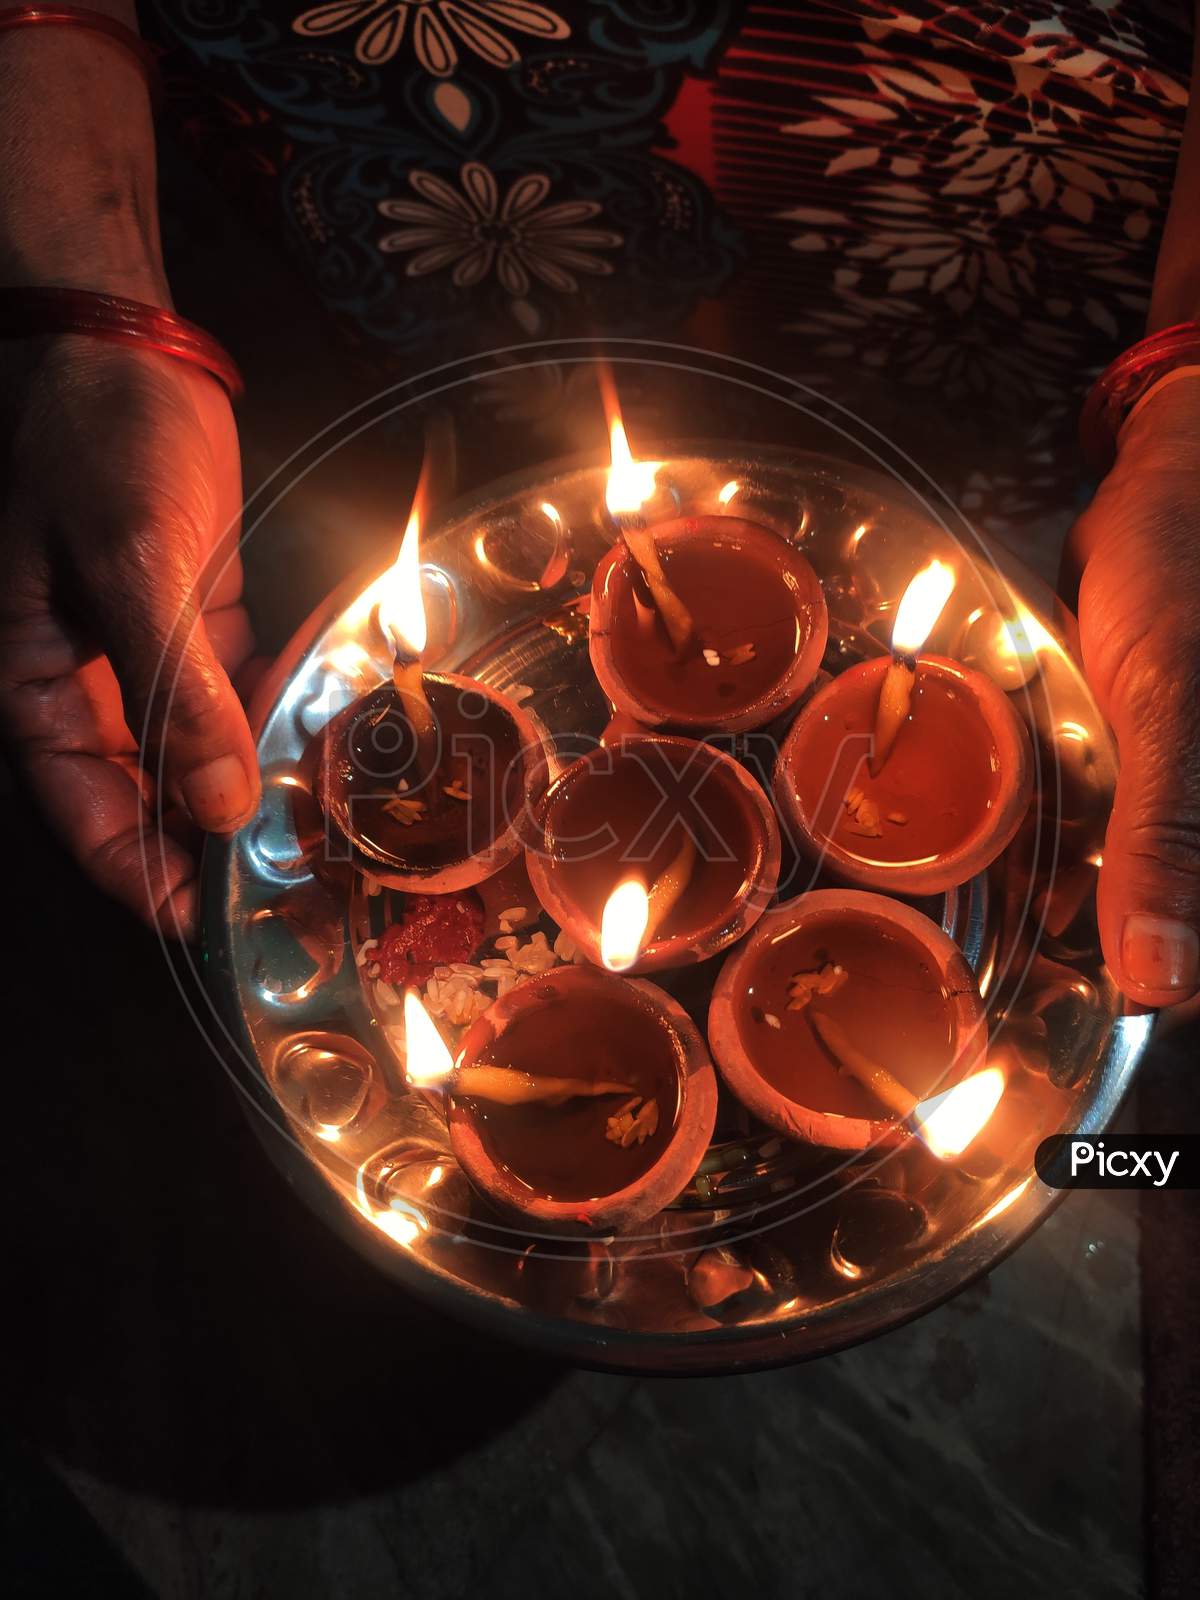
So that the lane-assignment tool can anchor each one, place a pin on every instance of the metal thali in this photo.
(776, 1251)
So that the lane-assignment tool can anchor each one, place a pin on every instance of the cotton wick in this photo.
(895, 702)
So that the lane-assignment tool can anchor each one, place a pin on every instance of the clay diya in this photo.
(426, 782)
(678, 817)
(580, 1101)
(440, 823)
(909, 774)
(703, 623)
(842, 1016)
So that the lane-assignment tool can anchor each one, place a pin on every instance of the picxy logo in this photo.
(1119, 1161)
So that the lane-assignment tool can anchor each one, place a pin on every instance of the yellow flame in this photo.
(727, 491)
(630, 482)
(426, 1058)
(401, 610)
(920, 607)
(623, 925)
(949, 1121)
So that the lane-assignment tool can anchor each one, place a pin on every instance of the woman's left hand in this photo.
(1137, 548)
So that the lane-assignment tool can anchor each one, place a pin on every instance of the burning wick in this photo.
(630, 485)
(402, 618)
(918, 611)
(632, 914)
(428, 1065)
(947, 1122)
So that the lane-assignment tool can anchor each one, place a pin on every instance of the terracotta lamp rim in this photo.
(506, 844)
(613, 568)
(1014, 753)
(791, 1117)
(720, 931)
(655, 1188)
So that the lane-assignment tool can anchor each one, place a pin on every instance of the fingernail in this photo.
(1159, 953)
(218, 795)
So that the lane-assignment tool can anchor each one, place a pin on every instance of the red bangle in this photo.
(95, 22)
(1124, 381)
(24, 313)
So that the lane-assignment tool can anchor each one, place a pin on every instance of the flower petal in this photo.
(414, 238)
(411, 211)
(332, 18)
(567, 211)
(379, 42)
(433, 260)
(480, 36)
(557, 277)
(474, 267)
(511, 273)
(579, 259)
(480, 188)
(589, 238)
(434, 47)
(442, 195)
(525, 18)
(525, 195)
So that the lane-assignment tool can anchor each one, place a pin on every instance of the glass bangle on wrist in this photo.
(1127, 383)
(58, 16)
(29, 312)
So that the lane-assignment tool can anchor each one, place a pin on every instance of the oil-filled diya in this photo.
(842, 1016)
(681, 819)
(580, 1100)
(427, 782)
(909, 773)
(702, 623)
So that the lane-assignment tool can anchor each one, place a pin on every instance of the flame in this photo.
(949, 1121)
(920, 607)
(727, 491)
(427, 1061)
(401, 611)
(630, 482)
(623, 925)
(551, 515)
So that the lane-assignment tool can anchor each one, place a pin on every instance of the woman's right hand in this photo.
(121, 623)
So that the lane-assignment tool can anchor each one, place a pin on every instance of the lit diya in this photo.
(430, 777)
(704, 623)
(909, 773)
(679, 818)
(840, 1017)
(580, 1100)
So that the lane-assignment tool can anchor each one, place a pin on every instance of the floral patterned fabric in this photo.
(932, 212)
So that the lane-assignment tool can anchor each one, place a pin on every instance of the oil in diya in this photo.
(909, 773)
(702, 623)
(428, 779)
(579, 1100)
(684, 820)
(842, 1015)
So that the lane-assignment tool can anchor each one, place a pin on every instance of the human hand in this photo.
(1137, 549)
(121, 621)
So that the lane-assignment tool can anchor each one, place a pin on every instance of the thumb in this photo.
(177, 696)
(1149, 891)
